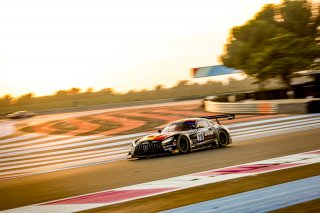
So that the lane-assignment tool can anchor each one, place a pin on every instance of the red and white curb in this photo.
(118, 195)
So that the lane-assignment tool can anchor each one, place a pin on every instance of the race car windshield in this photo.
(179, 126)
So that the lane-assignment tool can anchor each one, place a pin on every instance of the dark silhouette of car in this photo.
(183, 136)
(21, 114)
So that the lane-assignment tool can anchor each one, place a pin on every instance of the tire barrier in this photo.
(281, 107)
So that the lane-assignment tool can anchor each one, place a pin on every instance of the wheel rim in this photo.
(183, 145)
(223, 138)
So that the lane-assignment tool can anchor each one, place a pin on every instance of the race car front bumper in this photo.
(151, 148)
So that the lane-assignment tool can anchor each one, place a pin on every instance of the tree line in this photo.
(277, 42)
(76, 97)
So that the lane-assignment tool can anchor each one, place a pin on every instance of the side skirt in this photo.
(210, 144)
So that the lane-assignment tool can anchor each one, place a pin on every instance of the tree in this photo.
(159, 87)
(296, 17)
(316, 24)
(61, 93)
(25, 99)
(89, 90)
(5, 100)
(74, 91)
(107, 91)
(277, 42)
(282, 56)
(182, 83)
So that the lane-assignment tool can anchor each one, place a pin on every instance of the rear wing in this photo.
(227, 116)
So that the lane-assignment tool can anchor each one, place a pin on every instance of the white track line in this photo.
(81, 141)
(68, 164)
(123, 155)
(47, 159)
(71, 204)
(61, 154)
(273, 125)
(127, 142)
(19, 138)
(76, 154)
(272, 120)
(86, 139)
(62, 143)
(276, 132)
(49, 143)
(70, 157)
(6, 129)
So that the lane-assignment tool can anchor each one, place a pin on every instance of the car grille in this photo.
(148, 148)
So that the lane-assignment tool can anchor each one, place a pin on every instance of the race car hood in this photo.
(156, 137)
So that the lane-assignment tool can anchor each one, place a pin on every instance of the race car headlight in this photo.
(167, 140)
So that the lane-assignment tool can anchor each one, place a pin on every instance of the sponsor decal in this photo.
(200, 136)
(151, 137)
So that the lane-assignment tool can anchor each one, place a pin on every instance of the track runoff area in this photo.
(178, 193)
(260, 200)
(34, 153)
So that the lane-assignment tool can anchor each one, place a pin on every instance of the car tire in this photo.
(223, 138)
(183, 144)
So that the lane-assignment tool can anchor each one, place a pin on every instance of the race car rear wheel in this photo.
(223, 138)
(183, 144)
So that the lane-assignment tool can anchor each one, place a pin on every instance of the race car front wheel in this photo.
(223, 138)
(183, 144)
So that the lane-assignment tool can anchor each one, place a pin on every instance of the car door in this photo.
(211, 130)
(202, 132)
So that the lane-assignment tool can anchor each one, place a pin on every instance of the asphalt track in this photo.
(44, 187)
(303, 136)
(31, 154)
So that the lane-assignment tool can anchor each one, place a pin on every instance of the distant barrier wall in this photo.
(257, 108)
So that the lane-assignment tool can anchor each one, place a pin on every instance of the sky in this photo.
(49, 45)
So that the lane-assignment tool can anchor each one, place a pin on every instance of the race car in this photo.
(183, 136)
(21, 114)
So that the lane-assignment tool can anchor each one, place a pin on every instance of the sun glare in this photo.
(51, 45)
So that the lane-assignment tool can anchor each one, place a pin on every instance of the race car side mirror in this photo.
(159, 130)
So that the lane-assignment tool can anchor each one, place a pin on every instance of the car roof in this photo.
(23, 111)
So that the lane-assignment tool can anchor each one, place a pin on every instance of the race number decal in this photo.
(200, 136)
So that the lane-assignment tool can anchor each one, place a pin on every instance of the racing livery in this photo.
(183, 136)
